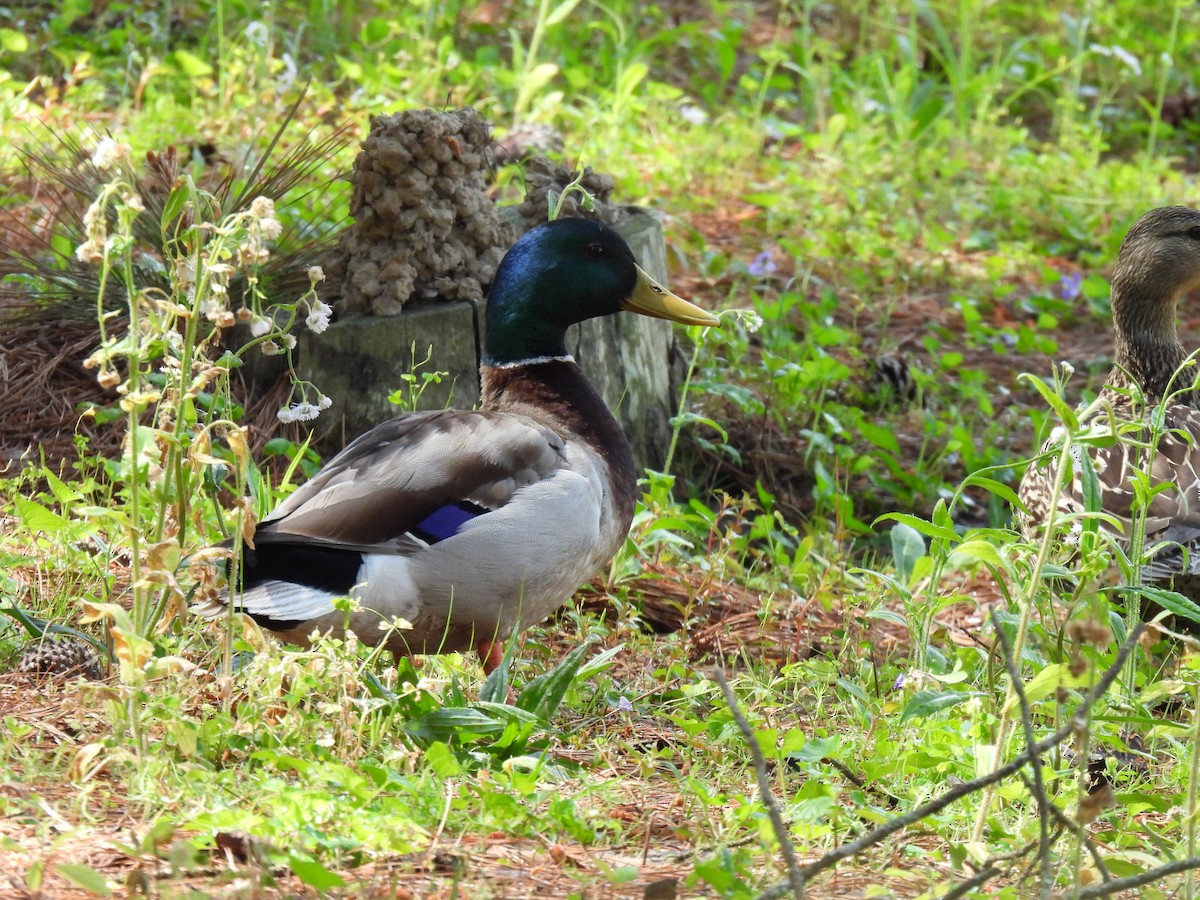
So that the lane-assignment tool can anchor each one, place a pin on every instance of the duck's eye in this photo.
(595, 251)
(1194, 232)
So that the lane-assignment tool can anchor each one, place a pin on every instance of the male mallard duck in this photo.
(471, 526)
(1159, 261)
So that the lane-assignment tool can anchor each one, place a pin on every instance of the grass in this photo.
(864, 179)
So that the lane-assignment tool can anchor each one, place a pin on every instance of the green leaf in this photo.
(442, 761)
(495, 689)
(1046, 682)
(884, 438)
(13, 41)
(1001, 490)
(36, 517)
(887, 615)
(442, 724)
(314, 874)
(1174, 603)
(1065, 414)
(907, 547)
(926, 528)
(85, 878)
(926, 703)
(560, 12)
(172, 209)
(190, 65)
(543, 695)
(599, 662)
(978, 550)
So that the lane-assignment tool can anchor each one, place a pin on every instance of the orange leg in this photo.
(491, 653)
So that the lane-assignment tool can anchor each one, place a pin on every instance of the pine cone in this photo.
(60, 659)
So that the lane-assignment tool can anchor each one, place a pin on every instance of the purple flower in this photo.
(763, 264)
(899, 682)
(623, 705)
(1069, 285)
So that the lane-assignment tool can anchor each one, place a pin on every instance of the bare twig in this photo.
(964, 888)
(1035, 763)
(795, 879)
(1124, 884)
(1081, 834)
(1033, 752)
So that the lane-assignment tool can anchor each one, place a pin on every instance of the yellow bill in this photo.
(650, 298)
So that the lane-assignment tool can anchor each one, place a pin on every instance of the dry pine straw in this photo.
(659, 830)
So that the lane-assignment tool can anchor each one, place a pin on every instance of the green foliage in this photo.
(827, 168)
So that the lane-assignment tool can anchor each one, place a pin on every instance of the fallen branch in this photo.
(795, 879)
(1032, 754)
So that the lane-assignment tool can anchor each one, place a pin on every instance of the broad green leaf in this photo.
(443, 762)
(1001, 490)
(1046, 682)
(36, 517)
(13, 41)
(926, 703)
(887, 615)
(1064, 412)
(442, 724)
(314, 874)
(495, 688)
(560, 12)
(85, 878)
(926, 528)
(174, 206)
(599, 662)
(907, 547)
(190, 65)
(979, 550)
(543, 695)
(884, 438)
(1174, 603)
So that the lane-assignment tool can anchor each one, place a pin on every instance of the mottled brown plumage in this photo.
(1159, 262)
(462, 527)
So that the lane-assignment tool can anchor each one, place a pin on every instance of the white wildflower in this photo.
(693, 115)
(303, 411)
(323, 402)
(1067, 368)
(285, 415)
(271, 228)
(256, 33)
(109, 152)
(92, 215)
(270, 348)
(315, 275)
(318, 317)
(288, 340)
(90, 251)
(288, 76)
(259, 326)
(262, 207)
(134, 202)
(1131, 62)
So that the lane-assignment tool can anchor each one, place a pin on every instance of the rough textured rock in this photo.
(543, 176)
(424, 224)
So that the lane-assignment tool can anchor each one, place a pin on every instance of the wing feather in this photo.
(394, 479)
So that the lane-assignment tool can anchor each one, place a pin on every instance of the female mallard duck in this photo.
(470, 526)
(1159, 261)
